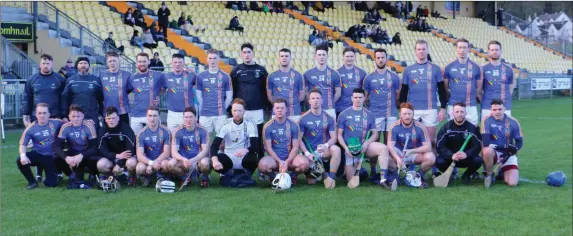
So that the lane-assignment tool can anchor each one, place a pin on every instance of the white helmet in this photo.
(282, 181)
(413, 179)
(109, 185)
(165, 186)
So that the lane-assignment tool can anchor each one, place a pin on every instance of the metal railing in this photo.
(89, 43)
(533, 31)
(17, 61)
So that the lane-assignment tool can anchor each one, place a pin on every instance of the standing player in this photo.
(317, 130)
(116, 85)
(116, 146)
(214, 94)
(281, 142)
(240, 138)
(498, 80)
(81, 139)
(190, 147)
(147, 88)
(354, 123)
(462, 79)
(152, 147)
(351, 77)
(179, 85)
(44, 87)
(324, 78)
(84, 89)
(286, 83)
(248, 80)
(419, 149)
(420, 83)
(382, 89)
(42, 132)
(502, 139)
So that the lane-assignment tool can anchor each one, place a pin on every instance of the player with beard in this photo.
(116, 86)
(419, 149)
(451, 138)
(179, 85)
(382, 88)
(248, 81)
(351, 77)
(324, 78)
(497, 79)
(147, 89)
(288, 84)
(84, 89)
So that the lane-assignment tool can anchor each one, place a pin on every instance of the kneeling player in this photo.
(354, 123)
(318, 131)
(281, 142)
(502, 138)
(418, 150)
(152, 147)
(241, 140)
(116, 146)
(190, 149)
(42, 132)
(81, 138)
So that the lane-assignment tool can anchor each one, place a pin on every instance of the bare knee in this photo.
(487, 152)
(140, 168)
(131, 163)
(429, 158)
(103, 165)
(205, 165)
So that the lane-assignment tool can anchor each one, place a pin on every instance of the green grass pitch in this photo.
(529, 209)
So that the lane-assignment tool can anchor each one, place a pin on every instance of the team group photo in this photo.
(338, 132)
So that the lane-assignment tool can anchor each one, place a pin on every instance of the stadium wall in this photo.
(50, 46)
(466, 8)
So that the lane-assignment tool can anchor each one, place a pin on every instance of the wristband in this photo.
(150, 163)
(22, 155)
(326, 145)
(306, 153)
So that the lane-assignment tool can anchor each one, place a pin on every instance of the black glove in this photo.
(508, 152)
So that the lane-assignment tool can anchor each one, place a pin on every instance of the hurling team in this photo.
(320, 125)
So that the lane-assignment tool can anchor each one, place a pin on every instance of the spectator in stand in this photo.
(181, 20)
(139, 20)
(312, 36)
(157, 34)
(368, 19)
(110, 43)
(328, 5)
(396, 39)
(189, 26)
(235, 25)
(163, 15)
(377, 17)
(419, 12)
(68, 70)
(317, 6)
(148, 40)
(307, 6)
(319, 40)
(426, 11)
(243, 6)
(254, 6)
(156, 64)
(278, 6)
(436, 14)
(128, 18)
(499, 17)
(336, 34)
(136, 40)
(424, 27)
(352, 32)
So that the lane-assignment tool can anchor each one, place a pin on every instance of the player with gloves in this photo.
(502, 138)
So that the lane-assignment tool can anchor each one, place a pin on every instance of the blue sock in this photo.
(372, 169)
(434, 170)
(204, 177)
(332, 175)
(422, 173)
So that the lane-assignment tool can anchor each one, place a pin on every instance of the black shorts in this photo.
(120, 162)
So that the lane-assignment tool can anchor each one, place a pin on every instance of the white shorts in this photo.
(174, 119)
(487, 112)
(212, 123)
(137, 123)
(407, 159)
(351, 160)
(331, 113)
(429, 117)
(256, 116)
(237, 161)
(293, 118)
(471, 114)
(384, 123)
(509, 164)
